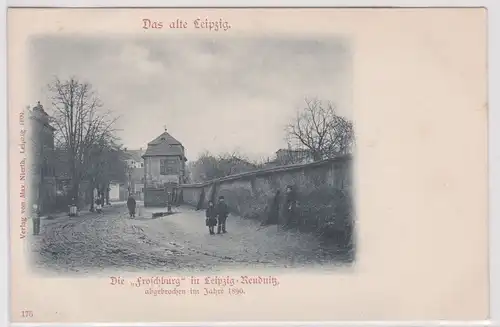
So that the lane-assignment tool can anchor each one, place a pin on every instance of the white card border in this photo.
(494, 135)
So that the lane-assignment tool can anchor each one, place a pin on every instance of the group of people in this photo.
(216, 215)
(100, 201)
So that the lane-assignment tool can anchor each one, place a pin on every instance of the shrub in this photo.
(328, 211)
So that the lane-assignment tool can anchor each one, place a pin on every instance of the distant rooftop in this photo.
(293, 151)
(135, 155)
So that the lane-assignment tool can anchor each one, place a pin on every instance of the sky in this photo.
(217, 94)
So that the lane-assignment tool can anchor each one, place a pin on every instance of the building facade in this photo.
(135, 172)
(164, 162)
(42, 161)
(164, 170)
(114, 191)
(293, 156)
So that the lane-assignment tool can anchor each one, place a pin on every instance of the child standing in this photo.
(211, 217)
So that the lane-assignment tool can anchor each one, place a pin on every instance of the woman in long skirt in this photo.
(131, 206)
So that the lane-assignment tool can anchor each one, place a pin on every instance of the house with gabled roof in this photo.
(164, 162)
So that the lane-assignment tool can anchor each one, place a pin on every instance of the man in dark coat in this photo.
(222, 213)
(290, 205)
(131, 206)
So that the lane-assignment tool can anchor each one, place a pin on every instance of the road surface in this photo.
(112, 241)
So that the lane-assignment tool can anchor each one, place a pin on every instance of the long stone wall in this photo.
(324, 192)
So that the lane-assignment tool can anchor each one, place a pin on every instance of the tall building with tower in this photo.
(41, 158)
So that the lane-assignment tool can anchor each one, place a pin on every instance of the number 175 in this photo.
(26, 313)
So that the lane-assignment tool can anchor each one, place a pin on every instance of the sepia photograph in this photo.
(194, 153)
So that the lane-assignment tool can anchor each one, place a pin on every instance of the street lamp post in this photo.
(129, 171)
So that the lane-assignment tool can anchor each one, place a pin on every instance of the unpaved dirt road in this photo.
(112, 241)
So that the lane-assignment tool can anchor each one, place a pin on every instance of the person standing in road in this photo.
(222, 213)
(131, 204)
(211, 217)
(290, 205)
(36, 220)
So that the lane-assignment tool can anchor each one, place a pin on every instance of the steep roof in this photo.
(40, 115)
(135, 155)
(164, 145)
(165, 138)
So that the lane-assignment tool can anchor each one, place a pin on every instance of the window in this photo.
(169, 166)
(142, 164)
(163, 169)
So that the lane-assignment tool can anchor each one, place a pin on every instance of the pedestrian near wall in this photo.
(131, 204)
(222, 214)
(211, 217)
(290, 205)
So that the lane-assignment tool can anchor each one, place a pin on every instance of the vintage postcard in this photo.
(215, 165)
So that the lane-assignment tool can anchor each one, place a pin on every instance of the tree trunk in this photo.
(101, 196)
(92, 208)
(107, 194)
(75, 188)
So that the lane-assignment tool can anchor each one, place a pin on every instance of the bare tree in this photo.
(318, 129)
(106, 163)
(81, 125)
(341, 136)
